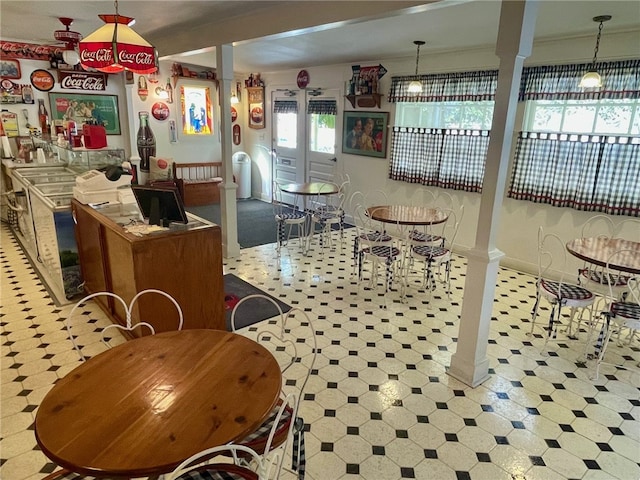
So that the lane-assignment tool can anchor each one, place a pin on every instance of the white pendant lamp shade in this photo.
(115, 47)
(415, 87)
(592, 78)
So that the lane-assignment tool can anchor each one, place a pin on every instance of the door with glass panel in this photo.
(288, 138)
(322, 125)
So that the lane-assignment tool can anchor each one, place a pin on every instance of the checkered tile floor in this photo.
(380, 404)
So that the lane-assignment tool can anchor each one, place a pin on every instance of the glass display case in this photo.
(80, 159)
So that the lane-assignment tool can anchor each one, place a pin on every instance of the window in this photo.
(580, 148)
(322, 133)
(465, 115)
(604, 117)
(441, 136)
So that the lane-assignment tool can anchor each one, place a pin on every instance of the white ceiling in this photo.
(277, 35)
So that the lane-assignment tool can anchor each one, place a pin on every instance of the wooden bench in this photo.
(199, 183)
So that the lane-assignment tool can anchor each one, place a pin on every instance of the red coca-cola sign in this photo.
(42, 80)
(303, 79)
(82, 80)
(99, 55)
(160, 111)
(30, 51)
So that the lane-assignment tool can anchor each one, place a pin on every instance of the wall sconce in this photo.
(162, 93)
(592, 78)
(234, 98)
(416, 86)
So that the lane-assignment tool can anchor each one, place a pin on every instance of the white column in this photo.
(515, 36)
(228, 205)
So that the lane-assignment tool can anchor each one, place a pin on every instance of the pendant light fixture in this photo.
(115, 47)
(592, 78)
(415, 86)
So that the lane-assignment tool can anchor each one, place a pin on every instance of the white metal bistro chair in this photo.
(619, 314)
(434, 250)
(288, 218)
(292, 340)
(328, 211)
(551, 286)
(206, 465)
(129, 326)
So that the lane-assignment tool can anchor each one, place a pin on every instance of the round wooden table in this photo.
(598, 251)
(310, 188)
(407, 214)
(144, 406)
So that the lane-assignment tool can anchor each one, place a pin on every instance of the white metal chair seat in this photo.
(385, 254)
(600, 277)
(433, 256)
(567, 294)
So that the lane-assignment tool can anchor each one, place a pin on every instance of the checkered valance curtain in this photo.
(446, 87)
(560, 82)
(447, 158)
(285, 106)
(322, 107)
(586, 172)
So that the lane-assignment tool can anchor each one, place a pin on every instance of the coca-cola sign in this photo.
(82, 80)
(99, 55)
(42, 80)
(160, 111)
(30, 51)
(302, 79)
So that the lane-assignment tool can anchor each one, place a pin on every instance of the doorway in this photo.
(305, 129)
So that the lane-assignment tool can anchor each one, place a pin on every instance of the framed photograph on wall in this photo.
(86, 108)
(10, 69)
(197, 112)
(365, 133)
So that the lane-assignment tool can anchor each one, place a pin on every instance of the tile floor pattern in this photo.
(379, 405)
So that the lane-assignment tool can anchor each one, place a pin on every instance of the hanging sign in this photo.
(236, 134)
(160, 111)
(42, 80)
(143, 91)
(303, 79)
(82, 80)
(234, 114)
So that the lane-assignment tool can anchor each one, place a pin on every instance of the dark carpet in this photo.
(252, 311)
(256, 222)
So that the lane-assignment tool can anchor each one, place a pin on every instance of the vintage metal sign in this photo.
(75, 80)
(30, 51)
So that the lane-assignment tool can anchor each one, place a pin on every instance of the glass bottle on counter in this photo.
(146, 141)
(43, 116)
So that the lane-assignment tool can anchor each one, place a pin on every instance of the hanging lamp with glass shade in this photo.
(415, 86)
(592, 78)
(115, 47)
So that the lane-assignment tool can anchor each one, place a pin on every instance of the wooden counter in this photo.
(185, 262)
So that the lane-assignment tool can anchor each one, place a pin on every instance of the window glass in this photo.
(467, 115)
(322, 134)
(286, 128)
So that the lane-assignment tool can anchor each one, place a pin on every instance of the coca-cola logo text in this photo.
(136, 58)
(160, 111)
(82, 82)
(32, 51)
(99, 55)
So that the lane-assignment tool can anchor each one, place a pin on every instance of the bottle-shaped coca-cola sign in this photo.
(146, 141)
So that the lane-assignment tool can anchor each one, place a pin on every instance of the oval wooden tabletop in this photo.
(310, 188)
(144, 406)
(407, 214)
(598, 250)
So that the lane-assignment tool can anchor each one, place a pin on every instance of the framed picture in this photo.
(256, 107)
(365, 133)
(197, 114)
(83, 108)
(10, 69)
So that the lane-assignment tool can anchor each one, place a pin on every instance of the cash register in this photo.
(104, 186)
